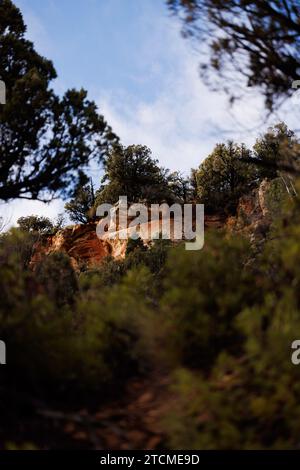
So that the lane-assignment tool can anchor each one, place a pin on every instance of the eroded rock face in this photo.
(80, 242)
(256, 210)
(85, 248)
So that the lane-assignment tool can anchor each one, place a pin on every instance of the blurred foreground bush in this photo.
(251, 396)
(204, 292)
(62, 338)
(222, 320)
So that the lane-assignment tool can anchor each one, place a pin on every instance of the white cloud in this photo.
(184, 120)
(10, 212)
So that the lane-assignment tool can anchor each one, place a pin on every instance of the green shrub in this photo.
(204, 292)
(56, 274)
(53, 345)
(126, 315)
(18, 246)
(251, 396)
(111, 270)
(247, 402)
(46, 348)
(134, 244)
(36, 224)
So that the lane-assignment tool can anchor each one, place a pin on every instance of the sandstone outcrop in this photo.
(81, 243)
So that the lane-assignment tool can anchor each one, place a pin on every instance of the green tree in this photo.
(44, 139)
(223, 177)
(36, 224)
(180, 186)
(81, 208)
(278, 149)
(257, 39)
(132, 172)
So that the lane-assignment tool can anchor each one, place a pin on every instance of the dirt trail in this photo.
(132, 422)
(214, 221)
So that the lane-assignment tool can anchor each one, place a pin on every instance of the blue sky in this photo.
(101, 44)
(131, 58)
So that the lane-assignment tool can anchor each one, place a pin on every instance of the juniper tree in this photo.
(45, 139)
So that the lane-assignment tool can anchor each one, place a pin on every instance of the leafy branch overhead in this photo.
(253, 43)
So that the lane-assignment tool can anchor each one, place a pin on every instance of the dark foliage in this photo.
(132, 172)
(36, 224)
(81, 207)
(44, 139)
(254, 41)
